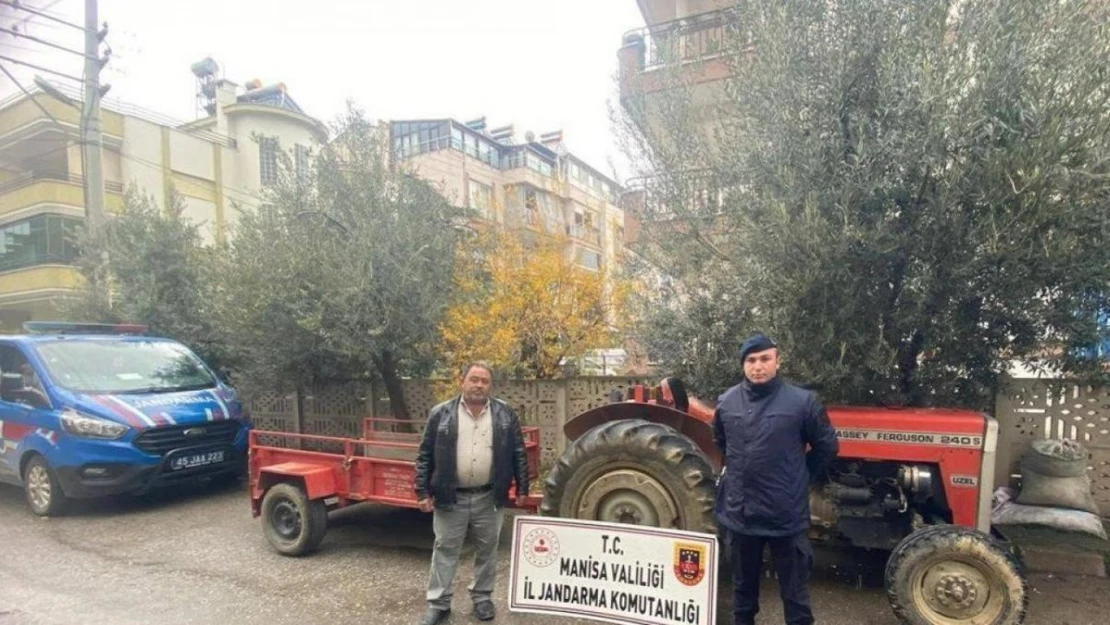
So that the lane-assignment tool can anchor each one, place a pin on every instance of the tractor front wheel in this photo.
(636, 472)
(950, 575)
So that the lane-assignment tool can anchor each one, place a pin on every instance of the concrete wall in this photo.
(190, 155)
(241, 177)
(142, 165)
(449, 170)
(202, 213)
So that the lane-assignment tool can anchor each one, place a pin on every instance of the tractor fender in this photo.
(699, 431)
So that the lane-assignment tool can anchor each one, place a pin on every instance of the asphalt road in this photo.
(197, 556)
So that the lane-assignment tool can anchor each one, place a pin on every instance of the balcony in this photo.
(684, 52)
(37, 283)
(63, 189)
(22, 118)
(585, 234)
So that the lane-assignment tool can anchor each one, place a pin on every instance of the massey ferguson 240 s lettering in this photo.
(913, 438)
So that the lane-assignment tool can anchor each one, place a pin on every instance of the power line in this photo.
(19, 6)
(38, 67)
(16, 33)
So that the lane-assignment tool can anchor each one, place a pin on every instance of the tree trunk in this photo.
(907, 363)
(388, 370)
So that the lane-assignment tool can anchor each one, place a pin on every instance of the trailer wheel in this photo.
(633, 471)
(294, 524)
(948, 575)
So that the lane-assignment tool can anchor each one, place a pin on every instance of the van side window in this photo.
(19, 384)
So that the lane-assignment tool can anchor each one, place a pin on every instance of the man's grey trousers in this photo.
(474, 514)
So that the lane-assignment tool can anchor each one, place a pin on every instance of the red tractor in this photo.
(914, 483)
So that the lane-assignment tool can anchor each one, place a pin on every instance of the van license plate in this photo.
(196, 460)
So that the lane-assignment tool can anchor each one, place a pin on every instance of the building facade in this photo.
(534, 184)
(218, 164)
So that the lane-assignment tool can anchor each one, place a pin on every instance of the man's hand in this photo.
(521, 500)
(425, 504)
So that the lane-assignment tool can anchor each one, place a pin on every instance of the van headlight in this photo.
(88, 426)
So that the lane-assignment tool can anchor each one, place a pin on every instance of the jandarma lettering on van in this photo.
(172, 401)
(941, 439)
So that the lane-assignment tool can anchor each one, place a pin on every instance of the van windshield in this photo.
(106, 366)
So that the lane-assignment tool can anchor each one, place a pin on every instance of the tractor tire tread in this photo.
(686, 460)
(943, 537)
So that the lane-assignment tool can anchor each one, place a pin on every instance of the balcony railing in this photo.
(36, 258)
(31, 177)
(694, 38)
(582, 233)
(690, 194)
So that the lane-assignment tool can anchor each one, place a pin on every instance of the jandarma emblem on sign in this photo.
(541, 547)
(689, 563)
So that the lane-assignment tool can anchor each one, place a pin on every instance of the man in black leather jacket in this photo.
(471, 453)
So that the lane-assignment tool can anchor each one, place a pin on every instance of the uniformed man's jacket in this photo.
(762, 432)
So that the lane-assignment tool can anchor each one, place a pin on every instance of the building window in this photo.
(537, 164)
(267, 213)
(38, 240)
(585, 227)
(481, 197)
(267, 160)
(588, 258)
(301, 160)
(531, 207)
(412, 138)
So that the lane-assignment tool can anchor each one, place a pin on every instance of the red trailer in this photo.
(295, 479)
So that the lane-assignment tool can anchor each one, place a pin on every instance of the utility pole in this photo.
(90, 119)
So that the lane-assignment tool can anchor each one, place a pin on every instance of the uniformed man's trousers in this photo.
(792, 557)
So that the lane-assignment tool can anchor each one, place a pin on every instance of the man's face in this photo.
(760, 367)
(476, 385)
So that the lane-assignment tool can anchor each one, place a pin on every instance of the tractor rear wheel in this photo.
(636, 472)
(950, 575)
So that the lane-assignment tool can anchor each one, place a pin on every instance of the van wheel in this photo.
(294, 524)
(40, 484)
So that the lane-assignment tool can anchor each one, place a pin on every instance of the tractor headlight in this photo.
(88, 426)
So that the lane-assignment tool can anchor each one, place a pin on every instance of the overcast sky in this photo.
(539, 65)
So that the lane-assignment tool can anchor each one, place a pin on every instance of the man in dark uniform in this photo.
(762, 427)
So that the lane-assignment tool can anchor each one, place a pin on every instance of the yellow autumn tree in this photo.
(521, 303)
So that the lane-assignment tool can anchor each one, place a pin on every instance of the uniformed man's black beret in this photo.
(756, 343)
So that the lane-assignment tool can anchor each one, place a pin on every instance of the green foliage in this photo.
(346, 273)
(150, 266)
(912, 197)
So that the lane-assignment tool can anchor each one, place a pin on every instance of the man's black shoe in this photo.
(434, 615)
(484, 610)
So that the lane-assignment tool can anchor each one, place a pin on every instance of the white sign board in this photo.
(613, 572)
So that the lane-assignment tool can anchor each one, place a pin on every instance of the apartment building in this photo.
(672, 78)
(535, 184)
(676, 62)
(218, 163)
